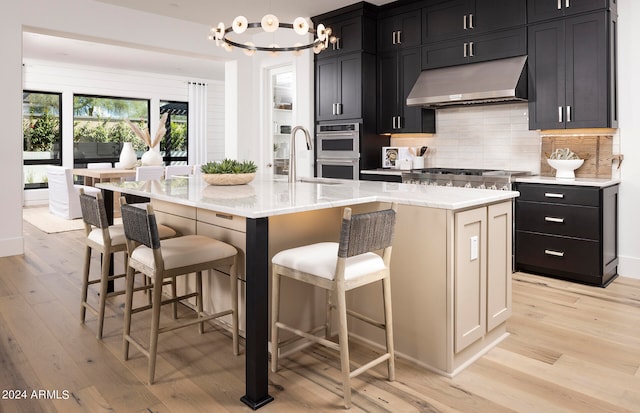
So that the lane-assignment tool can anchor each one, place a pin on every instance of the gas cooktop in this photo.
(467, 171)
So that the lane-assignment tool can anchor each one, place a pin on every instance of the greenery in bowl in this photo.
(229, 166)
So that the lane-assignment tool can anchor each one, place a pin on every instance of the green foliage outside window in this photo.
(40, 133)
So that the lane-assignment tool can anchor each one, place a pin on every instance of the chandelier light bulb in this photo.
(251, 51)
(220, 31)
(269, 23)
(301, 26)
(318, 48)
(321, 32)
(274, 52)
(239, 24)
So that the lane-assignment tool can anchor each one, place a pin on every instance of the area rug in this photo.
(41, 218)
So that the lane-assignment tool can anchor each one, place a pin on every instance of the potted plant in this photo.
(228, 172)
(565, 162)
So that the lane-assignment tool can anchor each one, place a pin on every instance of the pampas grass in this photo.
(144, 134)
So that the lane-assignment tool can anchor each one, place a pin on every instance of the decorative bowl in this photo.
(228, 179)
(565, 167)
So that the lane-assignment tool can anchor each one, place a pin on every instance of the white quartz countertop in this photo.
(265, 196)
(598, 182)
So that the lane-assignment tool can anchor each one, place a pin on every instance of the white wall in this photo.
(629, 126)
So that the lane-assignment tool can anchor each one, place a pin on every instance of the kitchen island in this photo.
(451, 263)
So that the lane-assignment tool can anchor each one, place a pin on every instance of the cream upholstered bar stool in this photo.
(339, 267)
(106, 240)
(170, 258)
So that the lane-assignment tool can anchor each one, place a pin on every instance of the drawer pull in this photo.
(224, 216)
(554, 253)
(554, 219)
(553, 195)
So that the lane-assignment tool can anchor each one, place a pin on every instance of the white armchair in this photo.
(173, 170)
(64, 196)
(148, 173)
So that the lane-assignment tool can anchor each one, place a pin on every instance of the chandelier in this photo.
(322, 35)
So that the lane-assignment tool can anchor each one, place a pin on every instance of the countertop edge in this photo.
(551, 180)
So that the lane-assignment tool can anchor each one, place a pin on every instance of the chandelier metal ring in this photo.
(321, 35)
(257, 25)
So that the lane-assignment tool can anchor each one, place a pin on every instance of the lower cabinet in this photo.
(449, 307)
(482, 276)
(568, 232)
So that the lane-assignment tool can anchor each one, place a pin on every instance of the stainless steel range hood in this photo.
(496, 81)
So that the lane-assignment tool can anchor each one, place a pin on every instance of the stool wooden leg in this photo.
(174, 291)
(327, 321)
(199, 305)
(155, 325)
(343, 337)
(275, 316)
(85, 283)
(103, 292)
(128, 307)
(233, 279)
(386, 291)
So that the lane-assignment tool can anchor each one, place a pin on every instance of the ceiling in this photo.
(40, 46)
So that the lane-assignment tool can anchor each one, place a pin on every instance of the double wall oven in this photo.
(338, 150)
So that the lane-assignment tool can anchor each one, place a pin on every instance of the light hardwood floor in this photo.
(572, 348)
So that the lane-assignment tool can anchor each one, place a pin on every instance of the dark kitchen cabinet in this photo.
(339, 87)
(345, 77)
(399, 31)
(572, 73)
(490, 46)
(465, 18)
(567, 231)
(397, 73)
(538, 10)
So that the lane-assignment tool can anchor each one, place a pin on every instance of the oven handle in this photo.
(338, 133)
(343, 161)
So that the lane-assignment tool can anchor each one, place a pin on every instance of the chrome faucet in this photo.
(292, 150)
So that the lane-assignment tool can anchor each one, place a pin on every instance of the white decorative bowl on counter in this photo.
(565, 167)
(228, 179)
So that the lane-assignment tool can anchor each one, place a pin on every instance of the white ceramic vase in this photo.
(151, 157)
(128, 156)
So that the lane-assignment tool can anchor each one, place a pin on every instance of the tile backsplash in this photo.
(488, 136)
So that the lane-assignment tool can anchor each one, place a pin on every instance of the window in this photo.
(174, 146)
(42, 135)
(100, 127)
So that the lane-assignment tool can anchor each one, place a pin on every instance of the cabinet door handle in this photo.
(393, 122)
(224, 216)
(568, 4)
(554, 219)
(471, 20)
(398, 38)
(393, 37)
(464, 49)
(339, 108)
(471, 49)
(554, 253)
(559, 114)
(559, 4)
(568, 113)
(399, 122)
(553, 195)
(464, 22)
(333, 108)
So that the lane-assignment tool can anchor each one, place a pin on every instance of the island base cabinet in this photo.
(448, 308)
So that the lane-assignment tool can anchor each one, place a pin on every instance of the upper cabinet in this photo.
(465, 18)
(572, 73)
(465, 31)
(538, 10)
(399, 31)
(346, 72)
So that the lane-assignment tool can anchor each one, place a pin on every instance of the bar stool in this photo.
(339, 267)
(107, 240)
(170, 258)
